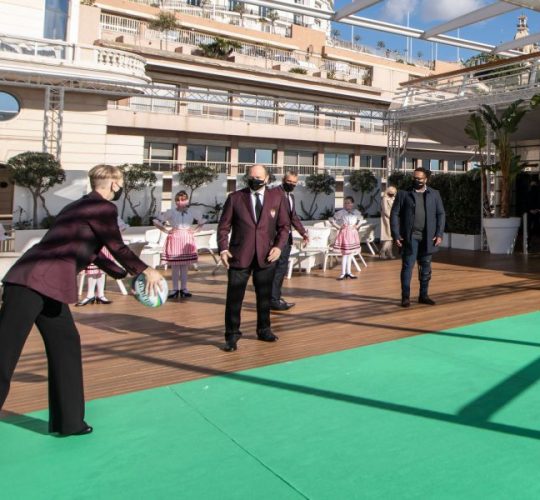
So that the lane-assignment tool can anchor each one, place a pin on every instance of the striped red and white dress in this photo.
(180, 248)
(94, 271)
(348, 239)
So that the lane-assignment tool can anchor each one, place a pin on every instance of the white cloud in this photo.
(443, 10)
(396, 10)
(428, 10)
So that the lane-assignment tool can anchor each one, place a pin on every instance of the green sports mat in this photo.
(453, 414)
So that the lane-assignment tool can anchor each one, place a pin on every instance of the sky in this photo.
(424, 14)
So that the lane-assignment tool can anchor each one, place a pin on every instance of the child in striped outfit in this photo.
(348, 221)
(180, 250)
(96, 277)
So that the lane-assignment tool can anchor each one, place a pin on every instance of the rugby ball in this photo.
(138, 285)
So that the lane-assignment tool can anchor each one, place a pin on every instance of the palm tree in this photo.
(165, 22)
(272, 16)
(220, 48)
(476, 130)
(241, 10)
(508, 164)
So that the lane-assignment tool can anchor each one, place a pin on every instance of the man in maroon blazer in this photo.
(43, 281)
(257, 220)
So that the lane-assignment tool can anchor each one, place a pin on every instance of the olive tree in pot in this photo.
(501, 230)
(37, 172)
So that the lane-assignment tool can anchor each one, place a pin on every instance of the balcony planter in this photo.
(501, 234)
(466, 241)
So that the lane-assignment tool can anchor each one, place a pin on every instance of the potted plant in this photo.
(38, 172)
(501, 229)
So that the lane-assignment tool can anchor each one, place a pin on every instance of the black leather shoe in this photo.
(281, 306)
(103, 300)
(267, 337)
(85, 430)
(342, 277)
(426, 300)
(185, 294)
(173, 295)
(88, 300)
(351, 277)
(405, 302)
(230, 346)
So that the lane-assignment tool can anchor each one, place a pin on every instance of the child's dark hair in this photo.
(180, 193)
(349, 198)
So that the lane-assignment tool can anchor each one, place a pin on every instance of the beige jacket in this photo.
(386, 208)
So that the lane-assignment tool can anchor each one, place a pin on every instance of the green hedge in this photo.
(460, 193)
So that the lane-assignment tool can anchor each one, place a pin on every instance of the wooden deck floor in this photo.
(127, 347)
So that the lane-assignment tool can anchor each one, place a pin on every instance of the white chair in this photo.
(314, 252)
(151, 253)
(214, 251)
(293, 259)
(367, 236)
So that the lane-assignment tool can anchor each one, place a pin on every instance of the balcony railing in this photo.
(459, 91)
(22, 48)
(256, 109)
(220, 167)
(250, 19)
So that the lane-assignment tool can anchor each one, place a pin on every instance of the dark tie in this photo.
(258, 206)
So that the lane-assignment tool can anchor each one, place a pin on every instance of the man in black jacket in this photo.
(290, 179)
(417, 225)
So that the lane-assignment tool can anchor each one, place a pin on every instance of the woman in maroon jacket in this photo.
(43, 281)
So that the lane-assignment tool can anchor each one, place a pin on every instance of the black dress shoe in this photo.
(405, 302)
(426, 300)
(342, 277)
(103, 300)
(88, 300)
(85, 430)
(173, 295)
(185, 294)
(230, 346)
(267, 337)
(351, 277)
(288, 304)
(281, 306)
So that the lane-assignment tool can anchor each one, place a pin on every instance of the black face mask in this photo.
(118, 194)
(418, 184)
(255, 184)
(288, 187)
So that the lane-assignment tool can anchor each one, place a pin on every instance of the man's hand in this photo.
(398, 242)
(305, 239)
(437, 241)
(274, 254)
(225, 256)
(153, 281)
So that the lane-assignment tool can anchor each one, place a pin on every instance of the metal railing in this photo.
(220, 167)
(256, 109)
(462, 90)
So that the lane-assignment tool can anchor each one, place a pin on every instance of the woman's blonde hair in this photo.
(101, 174)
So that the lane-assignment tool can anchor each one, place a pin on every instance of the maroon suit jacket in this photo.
(78, 234)
(295, 220)
(249, 238)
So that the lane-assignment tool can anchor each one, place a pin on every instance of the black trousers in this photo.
(21, 308)
(281, 271)
(236, 290)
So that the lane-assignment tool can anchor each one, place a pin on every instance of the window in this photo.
(56, 16)
(372, 161)
(204, 153)
(160, 155)
(434, 165)
(194, 3)
(298, 158)
(340, 160)
(256, 155)
(457, 165)
(9, 107)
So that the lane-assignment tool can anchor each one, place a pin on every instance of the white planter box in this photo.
(447, 238)
(466, 241)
